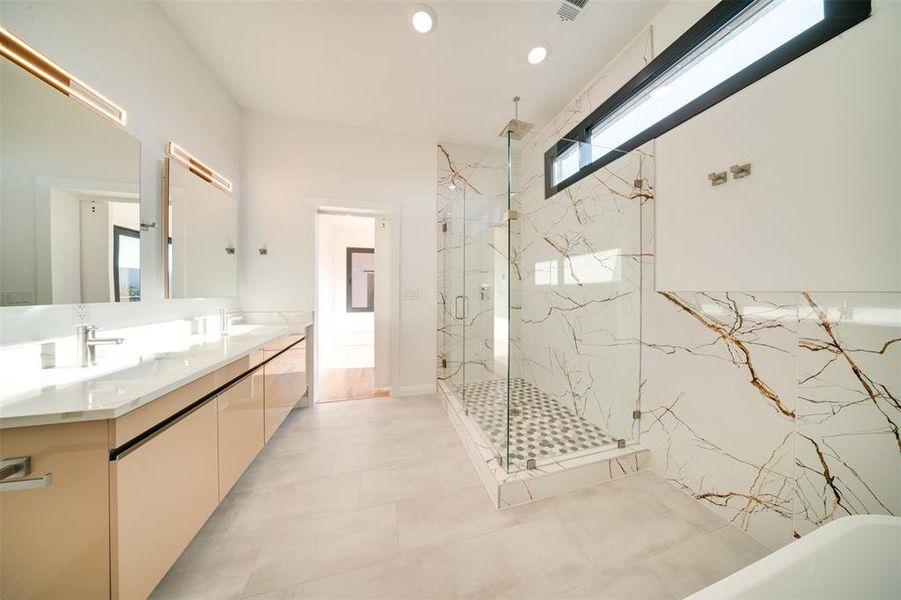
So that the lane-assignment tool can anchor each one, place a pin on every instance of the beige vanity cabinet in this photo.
(161, 493)
(285, 381)
(240, 428)
(125, 496)
(54, 540)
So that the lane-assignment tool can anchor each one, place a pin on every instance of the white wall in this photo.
(130, 52)
(291, 167)
(820, 210)
(65, 250)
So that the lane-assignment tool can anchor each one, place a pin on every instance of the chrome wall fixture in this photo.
(721, 177)
(739, 171)
(198, 168)
(717, 178)
(55, 76)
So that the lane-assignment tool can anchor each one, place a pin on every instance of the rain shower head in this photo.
(516, 128)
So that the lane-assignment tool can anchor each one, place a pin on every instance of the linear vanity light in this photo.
(198, 168)
(52, 74)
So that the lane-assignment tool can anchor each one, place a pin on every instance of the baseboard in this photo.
(414, 390)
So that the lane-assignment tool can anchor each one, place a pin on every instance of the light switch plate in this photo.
(411, 294)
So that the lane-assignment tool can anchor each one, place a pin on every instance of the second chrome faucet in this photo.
(87, 342)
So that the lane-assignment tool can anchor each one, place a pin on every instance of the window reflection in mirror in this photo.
(202, 223)
(69, 180)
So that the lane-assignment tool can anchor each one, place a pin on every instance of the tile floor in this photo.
(377, 499)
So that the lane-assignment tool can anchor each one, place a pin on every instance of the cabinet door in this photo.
(240, 428)
(162, 493)
(286, 382)
(54, 540)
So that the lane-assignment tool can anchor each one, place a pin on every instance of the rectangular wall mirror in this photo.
(201, 226)
(69, 199)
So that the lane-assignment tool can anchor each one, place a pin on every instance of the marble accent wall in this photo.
(778, 411)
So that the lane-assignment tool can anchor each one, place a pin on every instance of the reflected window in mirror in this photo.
(360, 279)
(127, 264)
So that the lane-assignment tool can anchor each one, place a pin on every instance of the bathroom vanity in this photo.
(126, 467)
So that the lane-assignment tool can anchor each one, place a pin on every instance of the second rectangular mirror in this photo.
(201, 229)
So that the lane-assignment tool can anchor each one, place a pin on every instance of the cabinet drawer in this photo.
(285, 383)
(240, 428)
(54, 541)
(162, 492)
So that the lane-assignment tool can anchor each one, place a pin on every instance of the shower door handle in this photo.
(460, 307)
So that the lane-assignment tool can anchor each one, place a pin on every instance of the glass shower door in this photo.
(485, 308)
(451, 198)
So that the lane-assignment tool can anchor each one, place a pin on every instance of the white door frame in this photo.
(363, 209)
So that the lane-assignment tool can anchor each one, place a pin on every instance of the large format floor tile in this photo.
(377, 499)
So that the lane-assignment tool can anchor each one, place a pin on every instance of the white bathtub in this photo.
(850, 558)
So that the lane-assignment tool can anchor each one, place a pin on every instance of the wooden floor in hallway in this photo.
(348, 384)
(378, 499)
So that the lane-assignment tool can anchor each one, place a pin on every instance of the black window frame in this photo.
(839, 16)
(127, 232)
(350, 306)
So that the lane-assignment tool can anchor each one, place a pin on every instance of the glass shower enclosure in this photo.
(539, 306)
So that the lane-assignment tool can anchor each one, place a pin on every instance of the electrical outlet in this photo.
(80, 314)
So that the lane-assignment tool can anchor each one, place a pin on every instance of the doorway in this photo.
(353, 299)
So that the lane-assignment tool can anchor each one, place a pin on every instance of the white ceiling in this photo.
(361, 63)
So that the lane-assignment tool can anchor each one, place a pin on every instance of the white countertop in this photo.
(119, 385)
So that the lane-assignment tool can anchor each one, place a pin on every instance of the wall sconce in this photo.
(55, 76)
(198, 168)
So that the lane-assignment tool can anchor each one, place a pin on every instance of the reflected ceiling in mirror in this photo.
(202, 222)
(69, 198)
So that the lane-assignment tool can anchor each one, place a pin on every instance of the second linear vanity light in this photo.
(198, 168)
(56, 77)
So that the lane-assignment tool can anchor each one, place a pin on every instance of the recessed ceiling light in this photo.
(539, 53)
(423, 18)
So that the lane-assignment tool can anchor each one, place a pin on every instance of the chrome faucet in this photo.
(226, 319)
(87, 344)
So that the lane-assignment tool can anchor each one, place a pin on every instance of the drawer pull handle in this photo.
(13, 472)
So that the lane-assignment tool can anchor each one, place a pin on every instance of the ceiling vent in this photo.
(570, 9)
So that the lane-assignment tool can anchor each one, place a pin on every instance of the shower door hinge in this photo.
(443, 363)
(638, 183)
(531, 465)
(620, 443)
(636, 414)
(511, 215)
(444, 227)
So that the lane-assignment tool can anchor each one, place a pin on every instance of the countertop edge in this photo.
(103, 414)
